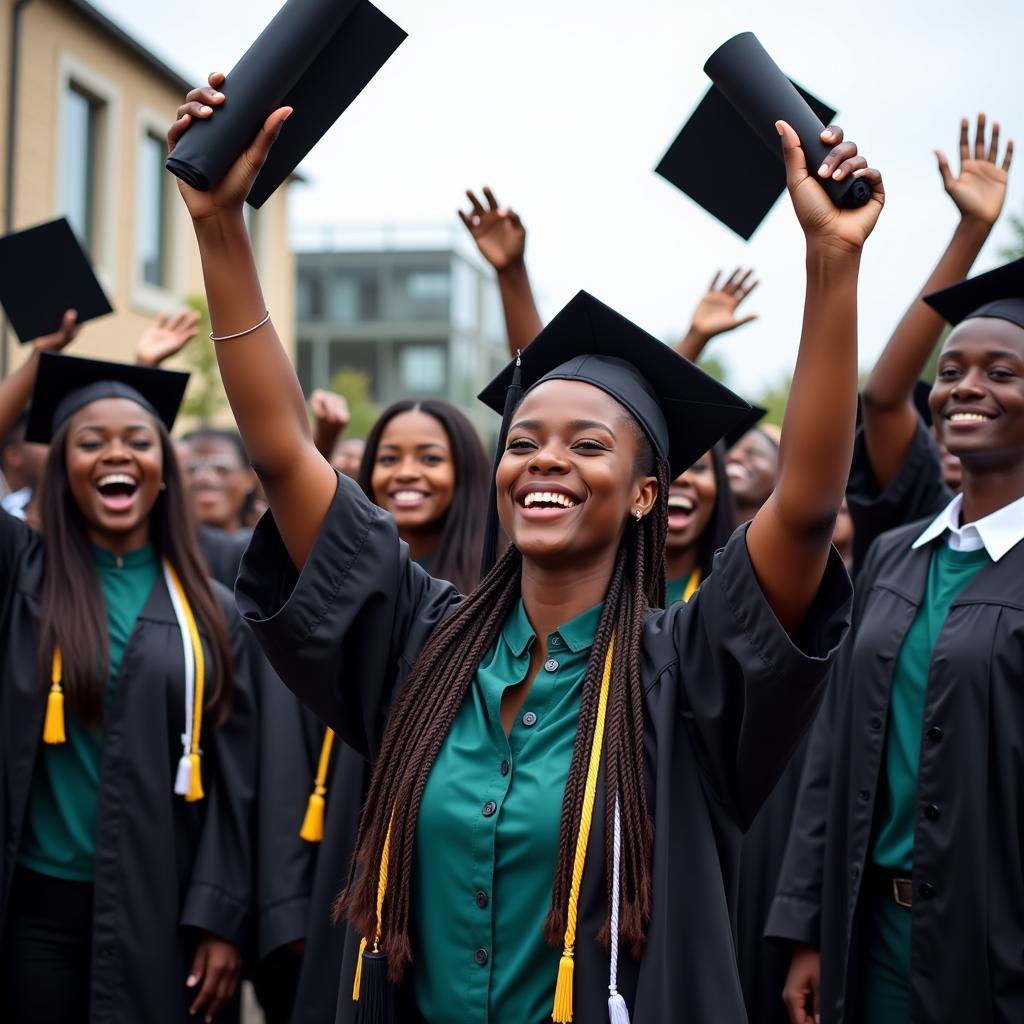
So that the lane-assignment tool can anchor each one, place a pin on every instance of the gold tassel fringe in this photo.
(313, 823)
(53, 725)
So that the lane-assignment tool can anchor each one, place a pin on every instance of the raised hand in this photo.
(166, 337)
(716, 311)
(822, 221)
(498, 232)
(330, 418)
(62, 337)
(980, 188)
(229, 195)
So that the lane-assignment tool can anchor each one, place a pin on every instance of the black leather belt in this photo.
(895, 886)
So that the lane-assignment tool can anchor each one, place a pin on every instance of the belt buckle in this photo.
(903, 885)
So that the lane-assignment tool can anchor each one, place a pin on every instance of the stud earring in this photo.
(639, 514)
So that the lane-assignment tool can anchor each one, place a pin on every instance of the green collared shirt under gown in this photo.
(887, 962)
(487, 835)
(61, 821)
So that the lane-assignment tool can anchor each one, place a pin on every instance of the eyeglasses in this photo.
(219, 467)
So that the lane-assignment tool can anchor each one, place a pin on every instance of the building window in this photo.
(151, 218)
(422, 369)
(351, 296)
(80, 127)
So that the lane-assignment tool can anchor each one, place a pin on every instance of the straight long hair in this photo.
(722, 523)
(457, 558)
(73, 612)
(435, 689)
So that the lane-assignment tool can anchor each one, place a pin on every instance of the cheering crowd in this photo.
(668, 714)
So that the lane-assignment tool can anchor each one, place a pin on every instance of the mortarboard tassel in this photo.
(618, 1013)
(313, 823)
(53, 724)
(371, 987)
(692, 584)
(512, 397)
(562, 1010)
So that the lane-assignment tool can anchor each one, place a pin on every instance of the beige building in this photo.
(91, 107)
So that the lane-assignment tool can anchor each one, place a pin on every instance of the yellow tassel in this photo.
(313, 824)
(53, 726)
(359, 971)
(562, 1013)
(195, 782)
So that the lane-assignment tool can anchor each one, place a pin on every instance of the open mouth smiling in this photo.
(117, 491)
(407, 497)
(546, 501)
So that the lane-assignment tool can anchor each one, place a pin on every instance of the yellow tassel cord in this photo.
(53, 724)
(313, 824)
(691, 585)
(562, 1011)
(382, 888)
(195, 785)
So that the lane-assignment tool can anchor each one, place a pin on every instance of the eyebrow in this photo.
(574, 424)
(996, 353)
(425, 444)
(103, 429)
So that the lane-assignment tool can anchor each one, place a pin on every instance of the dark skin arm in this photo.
(16, 388)
(330, 418)
(258, 376)
(790, 537)
(716, 312)
(501, 238)
(890, 419)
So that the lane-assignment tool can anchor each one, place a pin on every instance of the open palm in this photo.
(166, 337)
(716, 311)
(498, 233)
(980, 188)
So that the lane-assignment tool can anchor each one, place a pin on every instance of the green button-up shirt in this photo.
(487, 835)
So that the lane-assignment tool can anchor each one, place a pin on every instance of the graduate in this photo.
(512, 732)
(127, 717)
(902, 890)
(898, 473)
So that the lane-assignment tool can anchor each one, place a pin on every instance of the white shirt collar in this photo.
(996, 533)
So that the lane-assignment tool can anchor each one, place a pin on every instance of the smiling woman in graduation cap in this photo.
(126, 719)
(560, 773)
(902, 887)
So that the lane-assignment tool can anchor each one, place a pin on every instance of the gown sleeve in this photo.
(750, 690)
(916, 492)
(344, 631)
(220, 897)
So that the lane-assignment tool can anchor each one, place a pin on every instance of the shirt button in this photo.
(935, 734)
(875, 723)
(931, 812)
(865, 795)
(480, 956)
(489, 808)
(529, 719)
(926, 890)
(481, 899)
(505, 766)
(551, 665)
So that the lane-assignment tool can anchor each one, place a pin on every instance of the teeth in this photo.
(549, 498)
(116, 478)
(969, 417)
(408, 495)
(680, 501)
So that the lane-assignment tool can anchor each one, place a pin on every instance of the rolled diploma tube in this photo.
(755, 85)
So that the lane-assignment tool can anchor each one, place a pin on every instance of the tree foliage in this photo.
(354, 386)
(205, 398)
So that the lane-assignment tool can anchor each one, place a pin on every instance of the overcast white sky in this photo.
(565, 106)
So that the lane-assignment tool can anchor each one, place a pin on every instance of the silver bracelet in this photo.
(241, 334)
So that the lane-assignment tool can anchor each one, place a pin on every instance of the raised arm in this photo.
(978, 192)
(501, 238)
(330, 418)
(790, 537)
(16, 388)
(259, 379)
(716, 312)
(166, 336)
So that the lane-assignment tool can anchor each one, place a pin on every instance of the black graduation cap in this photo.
(736, 434)
(46, 272)
(64, 384)
(998, 293)
(316, 56)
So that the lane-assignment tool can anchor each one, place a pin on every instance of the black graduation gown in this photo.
(166, 870)
(968, 916)
(728, 696)
(915, 491)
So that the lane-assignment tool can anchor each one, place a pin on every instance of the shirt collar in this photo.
(997, 533)
(577, 633)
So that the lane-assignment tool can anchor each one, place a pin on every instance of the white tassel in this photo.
(618, 1012)
(183, 776)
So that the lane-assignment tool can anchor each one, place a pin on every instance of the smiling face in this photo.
(691, 503)
(977, 401)
(114, 463)
(568, 479)
(413, 472)
(753, 467)
(219, 482)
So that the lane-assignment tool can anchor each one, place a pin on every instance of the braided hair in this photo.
(435, 689)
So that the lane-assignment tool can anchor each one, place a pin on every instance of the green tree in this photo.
(354, 386)
(1015, 249)
(715, 366)
(205, 397)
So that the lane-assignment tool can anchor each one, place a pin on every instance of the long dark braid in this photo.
(435, 690)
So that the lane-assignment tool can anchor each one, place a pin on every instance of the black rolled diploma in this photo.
(316, 56)
(754, 84)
